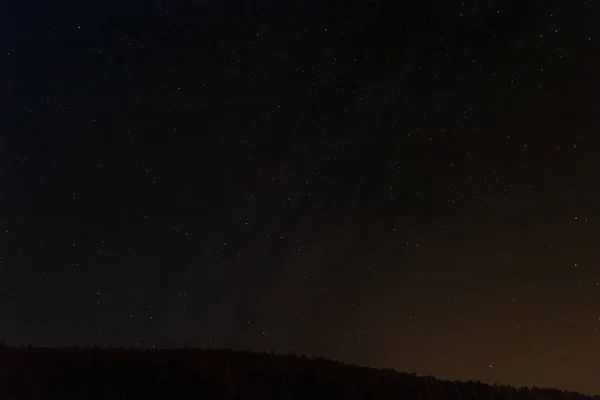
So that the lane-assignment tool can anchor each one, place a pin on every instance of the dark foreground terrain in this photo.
(92, 373)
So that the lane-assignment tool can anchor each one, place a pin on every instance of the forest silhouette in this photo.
(110, 373)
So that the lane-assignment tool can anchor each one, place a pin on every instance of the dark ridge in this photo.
(111, 373)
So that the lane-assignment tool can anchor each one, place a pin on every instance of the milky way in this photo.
(403, 184)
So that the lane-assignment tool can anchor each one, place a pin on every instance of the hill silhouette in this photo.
(95, 373)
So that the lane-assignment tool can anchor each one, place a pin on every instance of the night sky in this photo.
(412, 184)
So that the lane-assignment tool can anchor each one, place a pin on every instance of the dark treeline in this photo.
(94, 373)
